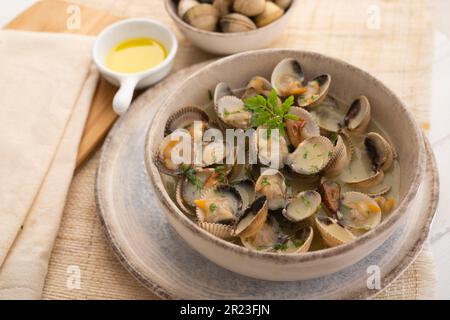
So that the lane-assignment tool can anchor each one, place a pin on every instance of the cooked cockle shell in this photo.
(331, 195)
(266, 237)
(348, 143)
(328, 116)
(184, 119)
(222, 231)
(250, 8)
(299, 242)
(287, 78)
(257, 85)
(271, 13)
(357, 117)
(221, 90)
(172, 146)
(253, 218)
(231, 111)
(221, 204)
(236, 22)
(386, 205)
(240, 172)
(190, 189)
(379, 191)
(359, 211)
(203, 16)
(311, 156)
(316, 92)
(333, 234)
(341, 159)
(185, 5)
(271, 183)
(268, 153)
(303, 206)
(213, 153)
(379, 151)
(367, 182)
(246, 189)
(304, 128)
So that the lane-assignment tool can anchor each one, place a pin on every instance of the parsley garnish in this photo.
(280, 246)
(269, 113)
(265, 182)
(298, 243)
(210, 95)
(305, 155)
(219, 170)
(333, 138)
(212, 207)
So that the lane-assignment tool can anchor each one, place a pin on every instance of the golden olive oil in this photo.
(136, 55)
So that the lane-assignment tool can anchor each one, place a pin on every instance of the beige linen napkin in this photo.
(46, 86)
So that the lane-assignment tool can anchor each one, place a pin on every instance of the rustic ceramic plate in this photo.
(152, 251)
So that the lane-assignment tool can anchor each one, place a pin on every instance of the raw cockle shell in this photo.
(303, 206)
(283, 4)
(257, 85)
(236, 22)
(250, 8)
(231, 111)
(379, 150)
(171, 146)
(271, 184)
(219, 230)
(184, 118)
(246, 189)
(270, 13)
(358, 116)
(223, 6)
(359, 211)
(331, 195)
(203, 16)
(187, 192)
(253, 218)
(221, 204)
(185, 5)
(304, 128)
(311, 156)
(333, 234)
(263, 146)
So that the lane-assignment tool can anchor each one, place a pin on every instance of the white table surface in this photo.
(439, 134)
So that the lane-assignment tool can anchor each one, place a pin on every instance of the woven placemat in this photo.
(390, 39)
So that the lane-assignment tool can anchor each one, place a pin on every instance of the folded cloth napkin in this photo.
(47, 82)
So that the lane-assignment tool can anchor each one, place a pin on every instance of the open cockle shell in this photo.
(217, 195)
(263, 146)
(316, 92)
(246, 189)
(331, 196)
(333, 234)
(257, 85)
(340, 160)
(231, 111)
(184, 118)
(271, 183)
(176, 139)
(221, 90)
(266, 237)
(304, 128)
(186, 192)
(357, 118)
(359, 211)
(379, 150)
(367, 182)
(253, 218)
(222, 231)
(300, 241)
(302, 206)
(311, 156)
(380, 191)
(287, 78)
(327, 116)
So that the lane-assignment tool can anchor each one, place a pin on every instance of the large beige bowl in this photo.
(348, 83)
(229, 43)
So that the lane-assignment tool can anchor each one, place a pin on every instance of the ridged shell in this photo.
(232, 104)
(340, 160)
(203, 16)
(372, 218)
(324, 82)
(310, 128)
(274, 202)
(379, 150)
(271, 13)
(157, 157)
(368, 182)
(250, 8)
(225, 190)
(253, 218)
(286, 70)
(357, 118)
(236, 22)
(221, 231)
(183, 117)
(302, 206)
(257, 85)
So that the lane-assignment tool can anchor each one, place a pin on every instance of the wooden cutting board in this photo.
(60, 16)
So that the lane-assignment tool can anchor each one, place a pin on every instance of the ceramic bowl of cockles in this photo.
(284, 165)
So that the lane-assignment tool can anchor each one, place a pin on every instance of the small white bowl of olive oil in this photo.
(134, 54)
